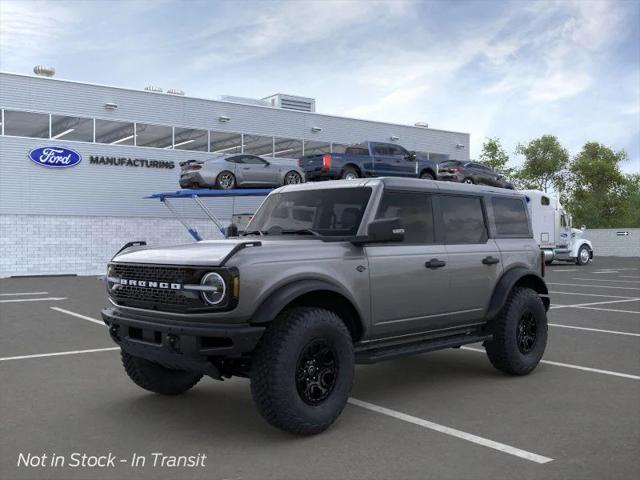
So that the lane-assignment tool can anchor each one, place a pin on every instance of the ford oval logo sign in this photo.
(55, 157)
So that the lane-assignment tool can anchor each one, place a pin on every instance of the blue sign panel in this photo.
(55, 157)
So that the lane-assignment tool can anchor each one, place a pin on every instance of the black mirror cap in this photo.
(385, 230)
(231, 231)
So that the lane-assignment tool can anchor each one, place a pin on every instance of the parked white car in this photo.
(553, 231)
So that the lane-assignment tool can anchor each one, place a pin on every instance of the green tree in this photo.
(545, 164)
(600, 195)
(494, 155)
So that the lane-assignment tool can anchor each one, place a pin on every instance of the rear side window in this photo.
(510, 217)
(415, 213)
(545, 201)
(357, 151)
(463, 219)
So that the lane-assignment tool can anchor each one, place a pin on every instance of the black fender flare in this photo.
(506, 283)
(284, 295)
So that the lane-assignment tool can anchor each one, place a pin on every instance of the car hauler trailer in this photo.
(553, 231)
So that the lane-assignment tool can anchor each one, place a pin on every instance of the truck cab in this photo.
(552, 229)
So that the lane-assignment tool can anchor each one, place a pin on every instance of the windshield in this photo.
(324, 212)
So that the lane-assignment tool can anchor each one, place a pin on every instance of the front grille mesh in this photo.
(158, 298)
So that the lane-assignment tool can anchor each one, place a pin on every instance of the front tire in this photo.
(156, 378)
(225, 180)
(584, 255)
(519, 333)
(302, 371)
(292, 178)
(468, 181)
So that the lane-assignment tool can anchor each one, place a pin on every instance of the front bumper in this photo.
(180, 345)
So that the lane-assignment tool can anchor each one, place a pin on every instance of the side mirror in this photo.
(583, 227)
(231, 231)
(385, 230)
(411, 157)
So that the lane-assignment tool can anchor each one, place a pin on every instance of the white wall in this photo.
(607, 242)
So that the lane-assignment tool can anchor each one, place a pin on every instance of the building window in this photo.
(71, 128)
(258, 145)
(157, 136)
(287, 147)
(227, 143)
(26, 124)
(114, 133)
(190, 139)
(316, 148)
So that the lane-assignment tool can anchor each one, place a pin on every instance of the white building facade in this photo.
(130, 142)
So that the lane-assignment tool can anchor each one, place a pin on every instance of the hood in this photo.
(202, 253)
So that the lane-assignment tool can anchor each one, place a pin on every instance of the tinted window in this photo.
(510, 217)
(463, 219)
(382, 150)
(449, 163)
(545, 200)
(330, 212)
(157, 136)
(114, 132)
(357, 151)
(26, 124)
(253, 160)
(414, 211)
(235, 160)
(72, 128)
(397, 151)
(190, 139)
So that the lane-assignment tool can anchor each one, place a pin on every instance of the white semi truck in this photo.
(553, 231)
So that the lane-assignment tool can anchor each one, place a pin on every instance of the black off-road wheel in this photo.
(156, 378)
(519, 333)
(302, 370)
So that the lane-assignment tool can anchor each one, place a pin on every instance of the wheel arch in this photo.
(429, 170)
(354, 166)
(316, 293)
(516, 277)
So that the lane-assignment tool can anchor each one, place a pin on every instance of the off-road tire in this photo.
(502, 349)
(276, 363)
(156, 378)
(427, 176)
(349, 173)
(579, 260)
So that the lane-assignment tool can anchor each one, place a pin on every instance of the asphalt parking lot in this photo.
(447, 414)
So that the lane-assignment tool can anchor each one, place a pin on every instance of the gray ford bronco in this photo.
(326, 276)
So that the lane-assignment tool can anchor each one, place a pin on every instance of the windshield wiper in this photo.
(301, 231)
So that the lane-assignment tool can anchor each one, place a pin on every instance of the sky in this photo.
(512, 69)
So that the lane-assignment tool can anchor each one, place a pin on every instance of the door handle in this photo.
(435, 263)
(490, 260)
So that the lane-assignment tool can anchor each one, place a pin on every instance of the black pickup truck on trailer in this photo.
(369, 159)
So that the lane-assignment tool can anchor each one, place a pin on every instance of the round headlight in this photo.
(214, 294)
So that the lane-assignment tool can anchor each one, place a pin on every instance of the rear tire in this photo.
(302, 370)
(349, 173)
(427, 176)
(156, 378)
(469, 181)
(225, 180)
(519, 333)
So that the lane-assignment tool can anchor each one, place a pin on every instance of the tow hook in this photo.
(114, 331)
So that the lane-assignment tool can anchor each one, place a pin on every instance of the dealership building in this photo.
(129, 144)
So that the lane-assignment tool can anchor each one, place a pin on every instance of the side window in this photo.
(463, 219)
(545, 201)
(380, 149)
(398, 151)
(253, 160)
(414, 211)
(234, 160)
(510, 217)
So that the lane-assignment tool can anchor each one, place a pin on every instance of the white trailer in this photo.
(553, 231)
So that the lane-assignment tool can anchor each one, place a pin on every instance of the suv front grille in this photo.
(155, 298)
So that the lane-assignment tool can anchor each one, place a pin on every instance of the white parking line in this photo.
(23, 293)
(569, 365)
(16, 300)
(597, 330)
(587, 294)
(562, 270)
(603, 280)
(595, 286)
(57, 354)
(533, 457)
(609, 310)
(629, 276)
(578, 305)
(74, 314)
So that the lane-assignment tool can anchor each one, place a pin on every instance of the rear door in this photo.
(408, 288)
(474, 259)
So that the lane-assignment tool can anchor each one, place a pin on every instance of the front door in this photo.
(410, 279)
(474, 258)
(257, 171)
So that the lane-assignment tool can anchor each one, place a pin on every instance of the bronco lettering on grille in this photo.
(149, 284)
